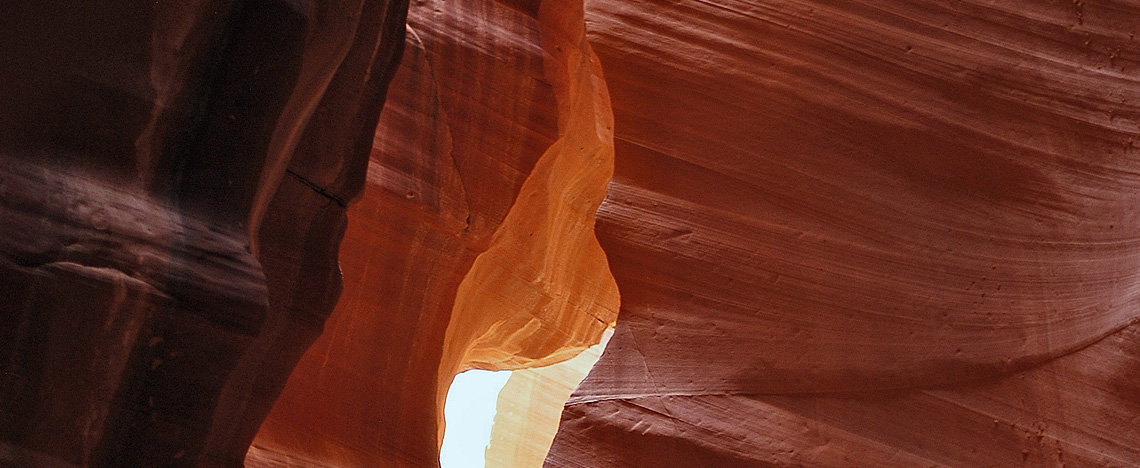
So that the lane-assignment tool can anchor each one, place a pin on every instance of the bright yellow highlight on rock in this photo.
(493, 421)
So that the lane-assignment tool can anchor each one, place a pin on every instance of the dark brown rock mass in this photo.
(142, 143)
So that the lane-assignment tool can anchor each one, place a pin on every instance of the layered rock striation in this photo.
(896, 233)
(867, 234)
(154, 156)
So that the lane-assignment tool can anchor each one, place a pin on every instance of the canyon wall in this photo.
(473, 246)
(867, 234)
(893, 233)
(177, 180)
(144, 147)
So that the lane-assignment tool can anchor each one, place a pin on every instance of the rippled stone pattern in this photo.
(867, 234)
(889, 233)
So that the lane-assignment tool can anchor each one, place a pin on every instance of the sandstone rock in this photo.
(473, 245)
(893, 208)
(142, 143)
(529, 406)
(897, 233)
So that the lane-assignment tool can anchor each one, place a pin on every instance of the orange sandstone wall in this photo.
(893, 233)
(529, 407)
(473, 245)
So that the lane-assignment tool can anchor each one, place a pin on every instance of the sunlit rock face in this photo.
(143, 147)
(867, 234)
(529, 406)
(473, 244)
(177, 180)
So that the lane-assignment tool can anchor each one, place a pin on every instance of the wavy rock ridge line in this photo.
(529, 407)
(542, 292)
(892, 233)
(473, 245)
(848, 168)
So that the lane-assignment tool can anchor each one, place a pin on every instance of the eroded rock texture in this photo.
(474, 243)
(142, 147)
(893, 233)
(867, 234)
(529, 407)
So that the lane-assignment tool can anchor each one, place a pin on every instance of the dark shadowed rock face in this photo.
(140, 145)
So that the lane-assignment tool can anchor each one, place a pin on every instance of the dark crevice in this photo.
(317, 188)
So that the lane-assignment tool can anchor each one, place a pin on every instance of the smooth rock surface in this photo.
(529, 407)
(844, 234)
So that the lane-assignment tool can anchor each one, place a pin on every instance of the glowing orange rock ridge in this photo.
(473, 245)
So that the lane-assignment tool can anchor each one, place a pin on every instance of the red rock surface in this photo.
(473, 245)
(844, 235)
(142, 145)
(894, 233)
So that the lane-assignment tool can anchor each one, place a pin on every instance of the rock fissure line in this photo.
(317, 188)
